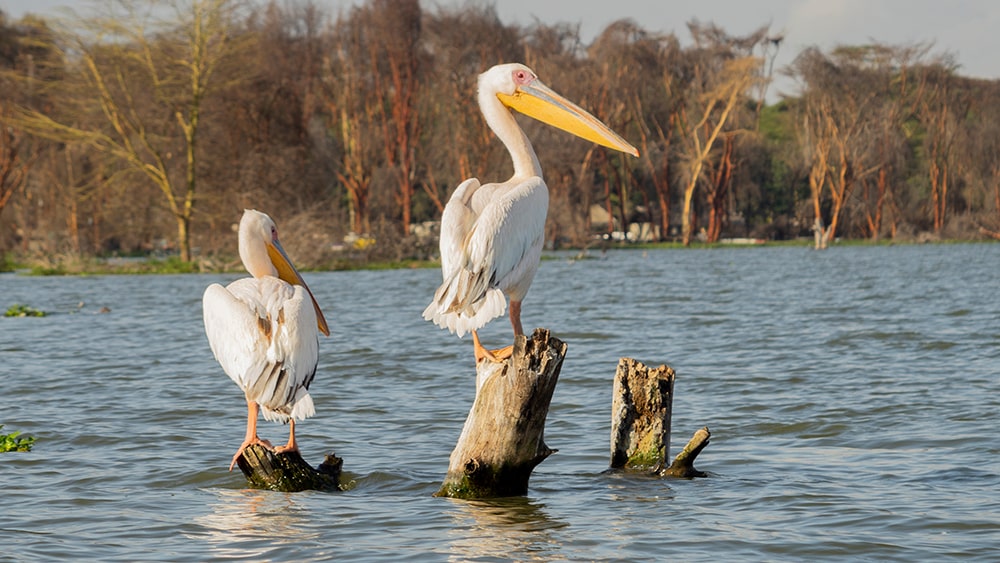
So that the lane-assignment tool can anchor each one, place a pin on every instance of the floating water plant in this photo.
(11, 442)
(18, 310)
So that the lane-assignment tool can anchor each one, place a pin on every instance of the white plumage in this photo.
(264, 331)
(492, 234)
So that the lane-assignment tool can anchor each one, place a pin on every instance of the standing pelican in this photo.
(492, 234)
(264, 331)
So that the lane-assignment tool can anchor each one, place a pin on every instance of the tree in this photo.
(942, 112)
(723, 73)
(980, 163)
(839, 113)
(648, 78)
(16, 156)
(150, 80)
(717, 188)
(350, 110)
(898, 93)
(712, 106)
(22, 51)
(456, 143)
(394, 60)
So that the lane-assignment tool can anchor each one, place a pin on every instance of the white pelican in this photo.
(264, 331)
(492, 234)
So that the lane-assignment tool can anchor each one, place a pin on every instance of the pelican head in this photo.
(519, 89)
(263, 255)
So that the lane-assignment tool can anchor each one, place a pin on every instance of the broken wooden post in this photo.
(640, 422)
(288, 472)
(502, 440)
(640, 415)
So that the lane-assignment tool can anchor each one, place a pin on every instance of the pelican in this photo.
(492, 234)
(264, 332)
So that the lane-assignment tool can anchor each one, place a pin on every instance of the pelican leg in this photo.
(479, 350)
(515, 322)
(251, 437)
(515, 317)
(500, 354)
(491, 355)
(291, 446)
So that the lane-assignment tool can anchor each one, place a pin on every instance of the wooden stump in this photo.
(640, 423)
(502, 440)
(288, 472)
(640, 415)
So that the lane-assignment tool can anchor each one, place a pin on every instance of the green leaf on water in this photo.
(11, 442)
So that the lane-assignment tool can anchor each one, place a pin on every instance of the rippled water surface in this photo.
(852, 395)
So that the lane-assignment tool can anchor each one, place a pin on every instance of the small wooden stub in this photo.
(640, 415)
(640, 423)
(683, 465)
(288, 472)
(502, 440)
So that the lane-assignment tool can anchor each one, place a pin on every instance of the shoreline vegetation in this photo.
(75, 265)
(129, 129)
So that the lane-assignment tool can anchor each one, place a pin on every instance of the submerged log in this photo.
(288, 472)
(640, 423)
(640, 415)
(502, 440)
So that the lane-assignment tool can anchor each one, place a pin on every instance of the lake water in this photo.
(852, 395)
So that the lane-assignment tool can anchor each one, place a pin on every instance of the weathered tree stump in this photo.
(288, 472)
(502, 440)
(640, 422)
(640, 415)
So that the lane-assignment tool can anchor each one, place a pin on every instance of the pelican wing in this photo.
(457, 221)
(492, 238)
(264, 334)
(506, 241)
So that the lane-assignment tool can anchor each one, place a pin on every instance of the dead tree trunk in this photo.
(502, 440)
(640, 415)
(288, 472)
(640, 422)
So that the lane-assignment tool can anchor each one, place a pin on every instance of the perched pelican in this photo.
(264, 331)
(492, 234)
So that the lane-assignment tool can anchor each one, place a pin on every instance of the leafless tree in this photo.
(150, 79)
(703, 123)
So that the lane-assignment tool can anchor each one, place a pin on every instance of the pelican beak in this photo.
(287, 272)
(538, 101)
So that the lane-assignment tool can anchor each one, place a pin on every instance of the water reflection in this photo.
(509, 529)
(630, 488)
(251, 523)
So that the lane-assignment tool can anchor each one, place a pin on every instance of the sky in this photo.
(967, 29)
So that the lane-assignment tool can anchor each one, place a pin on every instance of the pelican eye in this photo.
(522, 76)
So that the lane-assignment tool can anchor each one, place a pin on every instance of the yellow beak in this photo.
(287, 272)
(540, 102)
